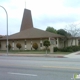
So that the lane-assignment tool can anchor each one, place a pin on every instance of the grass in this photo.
(31, 52)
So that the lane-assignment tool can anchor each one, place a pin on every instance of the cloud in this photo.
(2, 1)
(72, 3)
(55, 13)
(54, 21)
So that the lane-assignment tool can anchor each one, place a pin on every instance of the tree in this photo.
(73, 30)
(63, 32)
(46, 43)
(18, 45)
(35, 46)
(51, 29)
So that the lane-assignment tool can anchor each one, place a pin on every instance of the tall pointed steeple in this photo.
(27, 20)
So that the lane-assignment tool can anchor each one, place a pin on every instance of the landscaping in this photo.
(31, 52)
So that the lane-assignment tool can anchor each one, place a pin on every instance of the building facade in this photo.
(29, 35)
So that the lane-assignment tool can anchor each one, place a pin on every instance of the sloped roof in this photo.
(32, 33)
(1, 36)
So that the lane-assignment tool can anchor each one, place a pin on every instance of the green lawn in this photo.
(31, 52)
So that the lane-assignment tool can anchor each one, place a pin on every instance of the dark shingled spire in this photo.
(27, 20)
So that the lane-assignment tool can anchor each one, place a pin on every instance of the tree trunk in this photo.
(46, 51)
(71, 42)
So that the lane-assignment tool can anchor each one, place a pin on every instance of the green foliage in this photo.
(75, 48)
(51, 29)
(9, 46)
(46, 43)
(63, 32)
(67, 49)
(0, 45)
(18, 45)
(56, 49)
(70, 49)
(35, 46)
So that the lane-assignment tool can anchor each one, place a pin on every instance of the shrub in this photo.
(35, 46)
(18, 45)
(46, 43)
(0, 45)
(76, 48)
(9, 46)
(55, 49)
(66, 49)
(70, 49)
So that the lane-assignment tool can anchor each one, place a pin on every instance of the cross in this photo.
(25, 3)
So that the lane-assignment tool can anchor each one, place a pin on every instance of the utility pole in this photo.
(6, 25)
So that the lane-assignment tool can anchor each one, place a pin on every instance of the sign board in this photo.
(52, 40)
(76, 76)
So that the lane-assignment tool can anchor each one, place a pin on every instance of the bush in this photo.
(70, 49)
(18, 45)
(46, 43)
(9, 46)
(56, 49)
(35, 46)
(75, 48)
(66, 49)
(0, 45)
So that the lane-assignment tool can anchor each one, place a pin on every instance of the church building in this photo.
(29, 34)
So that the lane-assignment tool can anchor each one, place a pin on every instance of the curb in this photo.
(34, 56)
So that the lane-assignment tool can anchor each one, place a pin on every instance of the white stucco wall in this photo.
(3, 45)
(57, 43)
(74, 42)
(22, 42)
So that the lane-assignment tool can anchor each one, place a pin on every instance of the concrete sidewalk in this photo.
(73, 55)
(33, 55)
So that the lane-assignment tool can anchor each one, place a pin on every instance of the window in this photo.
(40, 44)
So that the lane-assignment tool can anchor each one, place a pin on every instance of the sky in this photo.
(54, 13)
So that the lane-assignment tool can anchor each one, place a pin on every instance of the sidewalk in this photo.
(73, 55)
(22, 54)
(34, 55)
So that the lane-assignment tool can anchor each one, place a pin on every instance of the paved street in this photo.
(38, 68)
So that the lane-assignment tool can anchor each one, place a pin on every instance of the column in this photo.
(57, 42)
(52, 44)
(25, 45)
(41, 44)
(31, 45)
(13, 45)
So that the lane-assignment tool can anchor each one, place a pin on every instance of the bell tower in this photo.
(26, 20)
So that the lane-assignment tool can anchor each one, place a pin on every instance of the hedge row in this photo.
(68, 49)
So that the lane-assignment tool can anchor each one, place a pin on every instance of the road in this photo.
(38, 68)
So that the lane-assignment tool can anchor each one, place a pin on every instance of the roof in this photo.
(70, 37)
(32, 33)
(1, 36)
